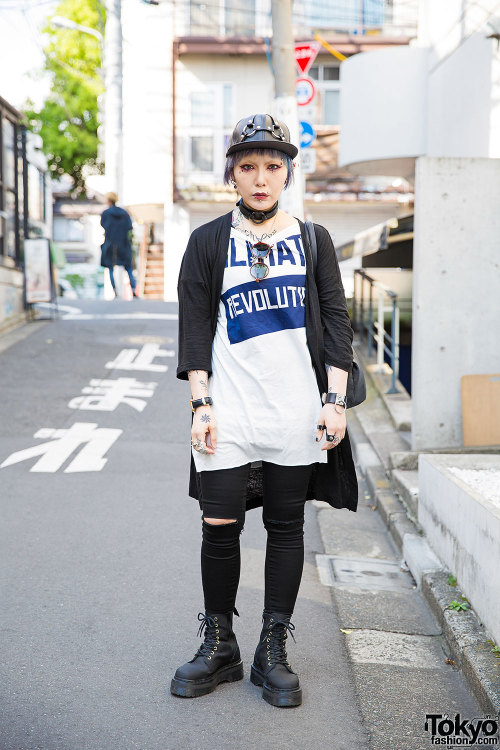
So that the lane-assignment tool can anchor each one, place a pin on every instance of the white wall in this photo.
(459, 94)
(456, 272)
(383, 103)
(147, 103)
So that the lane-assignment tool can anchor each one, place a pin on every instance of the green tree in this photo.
(68, 121)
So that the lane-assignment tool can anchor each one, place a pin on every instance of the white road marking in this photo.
(135, 359)
(64, 308)
(108, 394)
(122, 316)
(96, 442)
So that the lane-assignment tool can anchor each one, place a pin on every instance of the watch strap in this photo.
(203, 401)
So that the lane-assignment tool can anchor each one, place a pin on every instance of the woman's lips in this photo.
(260, 196)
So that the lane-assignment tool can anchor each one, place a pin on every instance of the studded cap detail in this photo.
(261, 131)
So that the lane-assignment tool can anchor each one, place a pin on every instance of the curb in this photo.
(470, 644)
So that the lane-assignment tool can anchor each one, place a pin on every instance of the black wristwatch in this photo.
(203, 401)
(338, 399)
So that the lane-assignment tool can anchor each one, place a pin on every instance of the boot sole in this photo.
(196, 688)
(280, 698)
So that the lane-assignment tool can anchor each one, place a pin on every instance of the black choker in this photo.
(257, 217)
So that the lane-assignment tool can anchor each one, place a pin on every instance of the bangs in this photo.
(234, 159)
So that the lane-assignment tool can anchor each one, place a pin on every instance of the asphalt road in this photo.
(100, 572)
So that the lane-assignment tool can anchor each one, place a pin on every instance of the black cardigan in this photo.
(328, 332)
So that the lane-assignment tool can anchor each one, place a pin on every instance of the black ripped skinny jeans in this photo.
(223, 491)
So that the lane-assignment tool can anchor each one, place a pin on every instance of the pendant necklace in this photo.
(237, 224)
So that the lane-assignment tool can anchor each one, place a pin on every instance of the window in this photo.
(9, 177)
(342, 15)
(222, 18)
(331, 107)
(202, 108)
(68, 230)
(202, 153)
(327, 79)
(210, 120)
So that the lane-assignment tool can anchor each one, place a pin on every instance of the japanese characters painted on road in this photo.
(306, 91)
(96, 441)
(305, 55)
(107, 394)
(307, 134)
(133, 359)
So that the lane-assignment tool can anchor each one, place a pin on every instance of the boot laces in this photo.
(276, 641)
(211, 642)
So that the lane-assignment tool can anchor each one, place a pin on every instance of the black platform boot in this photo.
(270, 668)
(217, 659)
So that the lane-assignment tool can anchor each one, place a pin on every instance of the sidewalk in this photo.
(410, 654)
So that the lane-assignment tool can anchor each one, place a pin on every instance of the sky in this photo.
(21, 54)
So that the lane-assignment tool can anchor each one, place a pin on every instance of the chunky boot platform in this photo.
(270, 668)
(217, 660)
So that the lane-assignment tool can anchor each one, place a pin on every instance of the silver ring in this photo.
(332, 438)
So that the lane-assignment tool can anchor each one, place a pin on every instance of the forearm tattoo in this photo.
(202, 382)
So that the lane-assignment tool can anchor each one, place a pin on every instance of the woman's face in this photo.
(260, 179)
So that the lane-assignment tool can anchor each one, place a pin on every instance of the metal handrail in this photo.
(375, 328)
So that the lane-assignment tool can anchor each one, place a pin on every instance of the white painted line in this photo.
(122, 316)
(63, 308)
(395, 649)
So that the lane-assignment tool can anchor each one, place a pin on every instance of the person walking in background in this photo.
(116, 249)
(261, 337)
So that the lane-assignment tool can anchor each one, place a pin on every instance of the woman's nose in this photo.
(260, 177)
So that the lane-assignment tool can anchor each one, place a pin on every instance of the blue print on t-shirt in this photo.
(256, 308)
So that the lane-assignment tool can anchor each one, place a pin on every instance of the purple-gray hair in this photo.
(234, 159)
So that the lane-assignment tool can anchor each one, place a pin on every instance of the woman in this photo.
(262, 334)
(116, 249)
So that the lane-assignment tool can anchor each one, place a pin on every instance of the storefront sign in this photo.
(37, 270)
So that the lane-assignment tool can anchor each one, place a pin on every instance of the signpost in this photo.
(307, 134)
(306, 91)
(305, 54)
(308, 160)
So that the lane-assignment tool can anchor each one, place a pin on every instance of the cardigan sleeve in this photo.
(195, 327)
(337, 330)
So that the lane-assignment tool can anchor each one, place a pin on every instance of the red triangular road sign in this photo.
(305, 54)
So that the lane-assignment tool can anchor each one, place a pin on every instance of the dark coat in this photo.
(116, 249)
(328, 332)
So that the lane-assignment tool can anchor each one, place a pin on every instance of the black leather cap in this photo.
(261, 131)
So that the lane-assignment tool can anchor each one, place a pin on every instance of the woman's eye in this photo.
(246, 167)
(274, 167)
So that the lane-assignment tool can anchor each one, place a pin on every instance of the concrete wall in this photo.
(11, 297)
(456, 277)
(462, 527)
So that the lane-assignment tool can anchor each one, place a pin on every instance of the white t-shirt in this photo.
(263, 384)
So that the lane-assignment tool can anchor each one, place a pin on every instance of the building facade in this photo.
(25, 208)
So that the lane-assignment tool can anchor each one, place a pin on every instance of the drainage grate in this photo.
(367, 573)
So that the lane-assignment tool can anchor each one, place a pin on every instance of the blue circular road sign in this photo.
(307, 134)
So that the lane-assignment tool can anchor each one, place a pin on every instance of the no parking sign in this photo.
(306, 91)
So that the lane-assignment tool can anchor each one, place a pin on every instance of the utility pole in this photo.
(285, 99)
(113, 138)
